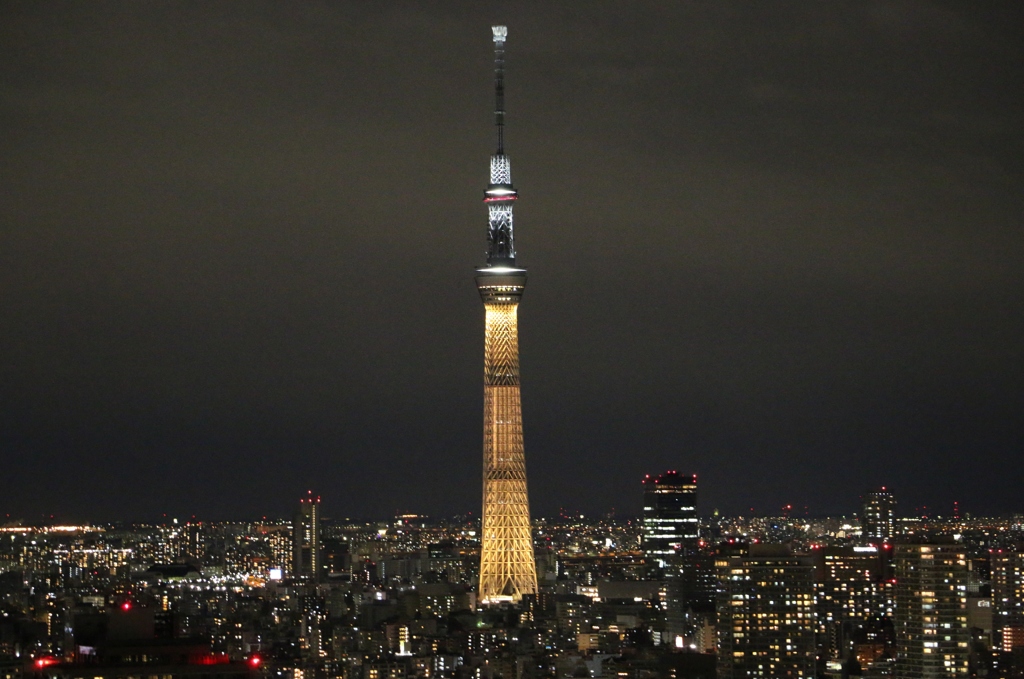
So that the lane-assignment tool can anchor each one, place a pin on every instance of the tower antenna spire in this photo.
(508, 570)
(500, 33)
(500, 195)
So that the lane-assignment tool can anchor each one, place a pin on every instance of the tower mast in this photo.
(500, 33)
(507, 566)
(500, 194)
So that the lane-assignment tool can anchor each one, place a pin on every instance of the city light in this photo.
(664, 306)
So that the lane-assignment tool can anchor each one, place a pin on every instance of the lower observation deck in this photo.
(500, 284)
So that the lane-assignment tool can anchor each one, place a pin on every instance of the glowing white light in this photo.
(500, 33)
(501, 269)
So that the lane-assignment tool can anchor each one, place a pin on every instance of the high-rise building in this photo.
(278, 538)
(852, 599)
(507, 566)
(932, 636)
(671, 525)
(1007, 573)
(766, 615)
(671, 541)
(306, 538)
(878, 516)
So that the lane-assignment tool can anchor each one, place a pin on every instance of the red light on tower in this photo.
(255, 661)
(126, 606)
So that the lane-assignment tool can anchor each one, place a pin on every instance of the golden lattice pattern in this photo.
(501, 345)
(507, 567)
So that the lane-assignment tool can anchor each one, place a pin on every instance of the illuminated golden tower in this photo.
(507, 567)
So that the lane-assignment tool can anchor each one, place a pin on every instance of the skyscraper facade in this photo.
(507, 566)
(766, 616)
(878, 516)
(671, 542)
(851, 597)
(1008, 596)
(671, 526)
(306, 538)
(932, 636)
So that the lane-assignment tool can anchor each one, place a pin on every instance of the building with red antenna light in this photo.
(306, 557)
(670, 540)
(774, 249)
(670, 518)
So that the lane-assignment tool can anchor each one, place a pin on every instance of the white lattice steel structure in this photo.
(507, 566)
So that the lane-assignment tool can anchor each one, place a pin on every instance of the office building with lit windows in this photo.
(851, 597)
(878, 516)
(671, 541)
(306, 538)
(1007, 577)
(671, 525)
(766, 618)
(932, 636)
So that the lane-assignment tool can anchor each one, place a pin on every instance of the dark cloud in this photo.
(778, 246)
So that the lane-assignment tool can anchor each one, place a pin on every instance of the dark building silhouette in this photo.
(671, 525)
(671, 541)
(306, 559)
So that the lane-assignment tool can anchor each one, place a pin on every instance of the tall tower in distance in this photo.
(306, 538)
(507, 566)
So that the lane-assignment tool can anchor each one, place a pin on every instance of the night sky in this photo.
(779, 245)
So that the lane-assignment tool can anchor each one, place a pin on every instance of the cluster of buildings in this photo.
(670, 594)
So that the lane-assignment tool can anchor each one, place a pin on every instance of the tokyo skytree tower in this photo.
(507, 567)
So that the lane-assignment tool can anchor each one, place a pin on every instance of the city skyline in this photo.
(758, 597)
(775, 247)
